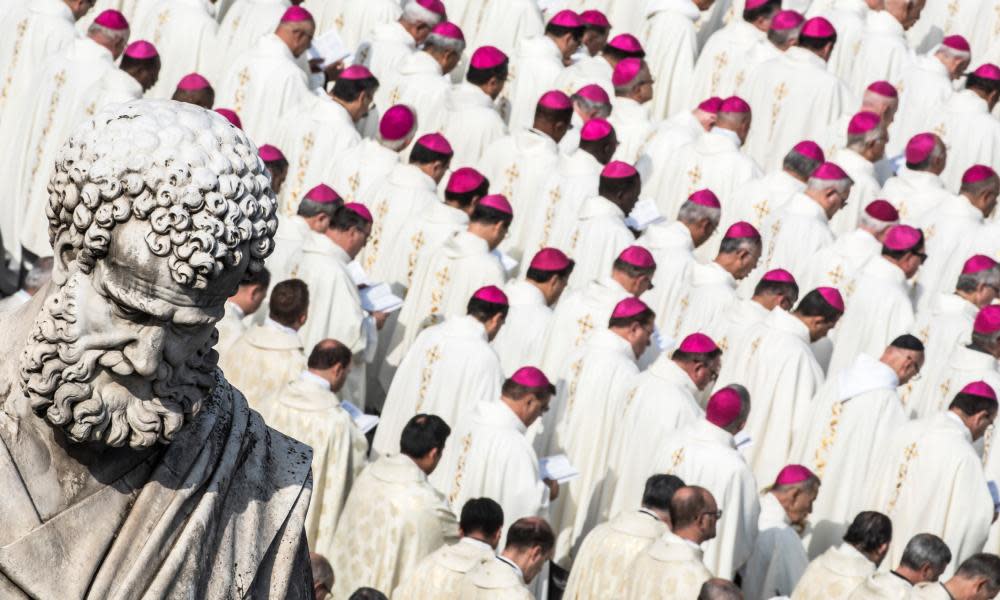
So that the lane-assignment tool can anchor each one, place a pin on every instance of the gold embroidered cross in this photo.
(442, 277)
(908, 455)
(925, 334)
(695, 176)
(339, 22)
(945, 387)
(394, 97)
(780, 93)
(677, 459)
(755, 345)
(433, 355)
(724, 344)
(836, 275)
(244, 79)
(456, 487)
(680, 314)
(720, 63)
(584, 324)
(941, 130)
(762, 210)
(512, 173)
(162, 20)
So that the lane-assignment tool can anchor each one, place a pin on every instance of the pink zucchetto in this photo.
(296, 14)
(625, 71)
(361, 210)
(323, 194)
(356, 73)
(111, 19)
(752, 4)
(981, 389)
(882, 210)
(832, 297)
(464, 180)
(530, 377)
(977, 173)
(448, 30)
(627, 43)
(231, 116)
(863, 122)
(397, 123)
(595, 129)
(818, 27)
(491, 294)
(550, 259)
(497, 202)
(269, 153)
(956, 42)
(435, 6)
(829, 171)
(723, 407)
(629, 307)
(638, 257)
(787, 19)
(594, 93)
(617, 169)
(487, 57)
(567, 19)
(884, 89)
(988, 71)
(793, 474)
(141, 50)
(735, 105)
(698, 343)
(978, 264)
(919, 148)
(902, 238)
(555, 100)
(193, 82)
(778, 276)
(595, 18)
(706, 198)
(436, 142)
(741, 230)
(987, 320)
(810, 149)
(711, 105)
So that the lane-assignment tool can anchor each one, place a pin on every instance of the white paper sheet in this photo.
(508, 262)
(364, 421)
(643, 214)
(358, 275)
(558, 468)
(379, 298)
(330, 47)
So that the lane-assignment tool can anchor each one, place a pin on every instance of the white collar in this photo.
(512, 565)
(865, 375)
(279, 327)
(797, 54)
(310, 377)
(473, 542)
(686, 8)
(955, 418)
(727, 134)
(236, 309)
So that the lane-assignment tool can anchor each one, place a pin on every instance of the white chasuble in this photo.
(633, 127)
(971, 133)
(732, 326)
(755, 200)
(668, 137)
(601, 567)
(418, 82)
(671, 43)
(587, 409)
(440, 574)
(945, 327)
(932, 591)
(883, 54)
(849, 424)
(261, 85)
(712, 293)
(242, 26)
(471, 123)
(948, 229)
(673, 250)
(385, 48)
(849, 18)
(184, 33)
(839, 264)
(865, 189)
(230, 328)
(914, 194)
(393, 518)
(497, 579)
(450, 368)
(357, 20)
(834, 574)
(925, 86)
(883, 585)
(366, 165)
(671, 568)
(931, 481)
(940, 382)
(262, 361)
(533, 72)
(721, 66)
(705, 455)
(661, 401)
(504, 23)
(426, 231)
(598, 238)
(792, 236)
(307, 410)
(778, 559)
(521, 340)
(776, 364)
(585, 71)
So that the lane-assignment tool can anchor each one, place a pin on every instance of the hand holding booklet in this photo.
(365, 422)
(379, 298)
(558, 468)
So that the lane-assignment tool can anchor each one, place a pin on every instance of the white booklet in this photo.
(558, 468)
(358, 275)
(643, 214)
(509, 262)
(379, 298)
(330, 47)
(365, 422)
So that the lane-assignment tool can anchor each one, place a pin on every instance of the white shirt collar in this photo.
(236, 309)
(728, 134)
(646, 511)
(512, 565)
(476, 544)
(278, 326)
(310, 377)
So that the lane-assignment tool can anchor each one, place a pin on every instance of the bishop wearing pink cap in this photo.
(884, 51)
(193, 88)
(391, 34)
(469, 115)
(972, 137)
(843, 260)
(774, 290)
(917, 187)
(185, 34)
(368, 163)
(630, 116)
(783, 33)
(866, 136)
(760, 197)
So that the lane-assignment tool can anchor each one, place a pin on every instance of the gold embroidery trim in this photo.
(819, 460)
(426, 374)
(22, 27)
(60, 80)
(908, 455)
(456, 486)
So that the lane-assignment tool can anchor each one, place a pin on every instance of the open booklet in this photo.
(364, 421)
(379, 298)
(558, 468)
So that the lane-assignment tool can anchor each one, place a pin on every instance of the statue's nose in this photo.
(145, 352)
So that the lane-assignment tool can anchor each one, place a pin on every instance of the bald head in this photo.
(322, 573)
(905, 356)
(688, 504)
(738, 122)
(907, 12)
(719, 589)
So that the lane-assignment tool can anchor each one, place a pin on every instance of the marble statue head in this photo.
(157, 210)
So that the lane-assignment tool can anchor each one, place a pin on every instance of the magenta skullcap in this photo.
(111, 19)
(193, 82)
(884, 89)
(497, 202)
(464, 180)
(977, 173)
(988, 320)
(436, 142)
(435, 6)
(637, 256)
(626, 42)
(752, 4)
(705, 197)
(595, 18)
(981, 389)
(594, 93)
(902, 238)
(617, 169)
(778, 276)
(491, 294)
(735, 105)
(977, 264)
(555, 100)
(355, 73)
(810, 149)
(323, 194)
(724, 407)
(882, 210)
(988, 71)
(296, 14)
(863, 122)
(448, 30)
(629, 307)
(269, 153)
(567, 19)
(832, 297)
(829, 171)
(141, 50)
(231, 116)
(698, 343)
(361, 210)
(792, 474)
(818, 27)
(711, 105)
(530, 377)
(956, 42)
(625, 71)
(550, 259)
(487, 57)
(919, 148)
(595, 129)
(787, 19)
(741, 230)
(397, 123)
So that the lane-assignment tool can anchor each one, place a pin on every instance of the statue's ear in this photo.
(63, 259)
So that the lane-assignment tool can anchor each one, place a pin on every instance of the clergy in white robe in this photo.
(778, 559)
(705, 454)
(917, 188)
(840, 570)
(755, 200)
(776, 364)
(777, 289)
(393, 517)
(245, 302)
(470, 117)
(679, 130)
(505, 24)
(966, 124)
(883, 51)
(265, 82)
(193, 88)
(866, 139)
(450, 368)
(314, 213)
(184, 31)
(630, 113)
(848, 428)
(242, 25)
(976, 576)
(592, 388)
(924, 559)
(721, 66)
(529, 547)
(538, 63)
(933, 480)
(781, 35)
(389, 43)
(373, 159)
(356, 20)
(600, 569)
(521, 340)
(307, 409)
(601, 233)
(137, 72)
(671, 43)
(598, 69)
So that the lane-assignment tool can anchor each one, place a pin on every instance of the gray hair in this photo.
(730, 245)
(441, 42)
(628, 88)
(926, 549)
(860, 140)
(985, 341)
(418, 15)
(744, 395)
(970, 282)
(400, 144)
(875, 226)
(719, 589)
(986, 566)
(597, 109)
(39, 275)
(800, 164)
(113, 36)
(841, 185)
(690, 213)
(953, 53)
(781, 37)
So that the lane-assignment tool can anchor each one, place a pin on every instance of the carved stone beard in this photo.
(91, 393)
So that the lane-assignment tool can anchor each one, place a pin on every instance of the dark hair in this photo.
(599, 148)
(367, 593)
(328, 353)
(764, 10)
(483, 311)
(869, 531)
(978, 187)
(618, 54)
(308, 208)
(632, 270)
(644, 318)
(686, 508)
(131, 64)
(925, 549)
(350, 90)
(464, 199)
(800, 164)
(815, 305)
(610, 187)
(531, 531)
(559, 31)
(816, 43)
(541, 276)
(345, 219)
(489, 216)
(422, 434)
(260, 278)
(972, 405)
(730, 245)
(481, 515)
(483, 76)
(899, 254)
(192, 96)
(908, 342)
(981, 83)
(789, 289)
(515, 390)
(289, 301)
(552, 115)
(922, 165)
(696, 357)
(981, 565)
(422, 155)
(660, 490)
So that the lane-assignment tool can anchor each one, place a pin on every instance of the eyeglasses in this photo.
(717, 514)
(922, 256)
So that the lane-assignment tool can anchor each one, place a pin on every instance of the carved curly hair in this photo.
(194, 177)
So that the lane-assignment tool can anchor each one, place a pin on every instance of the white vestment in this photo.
(230, 328)
(671, 568)
(947, 229)
(365, 166)
(598, 238)
(521, 340)
(882, 586)
(940, 382)
(883, 54)
(834, 574)
(668, 137)
(418, 82)
(925, 85)
(848, 18)
(945, 327)
(386, 47)
(504, 23)
(440, 574)
(775, 363)
(839, 264)
(533, 72)
(732, 326)
(932, 591)
(671, 45)
(633, 127)
(498, 579)
(778, 559)
(673, 250)
(721, 66)
(711, 295)
(471, 123)
(755, 200)
(971, 133)
(184, 33)
(914, 194)
(393, 518)
(357, 20)
(586, 71)
(450, 368)
(865, 189)
(263, 360)
(792, 236)
(242, 26)
(425, 232)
